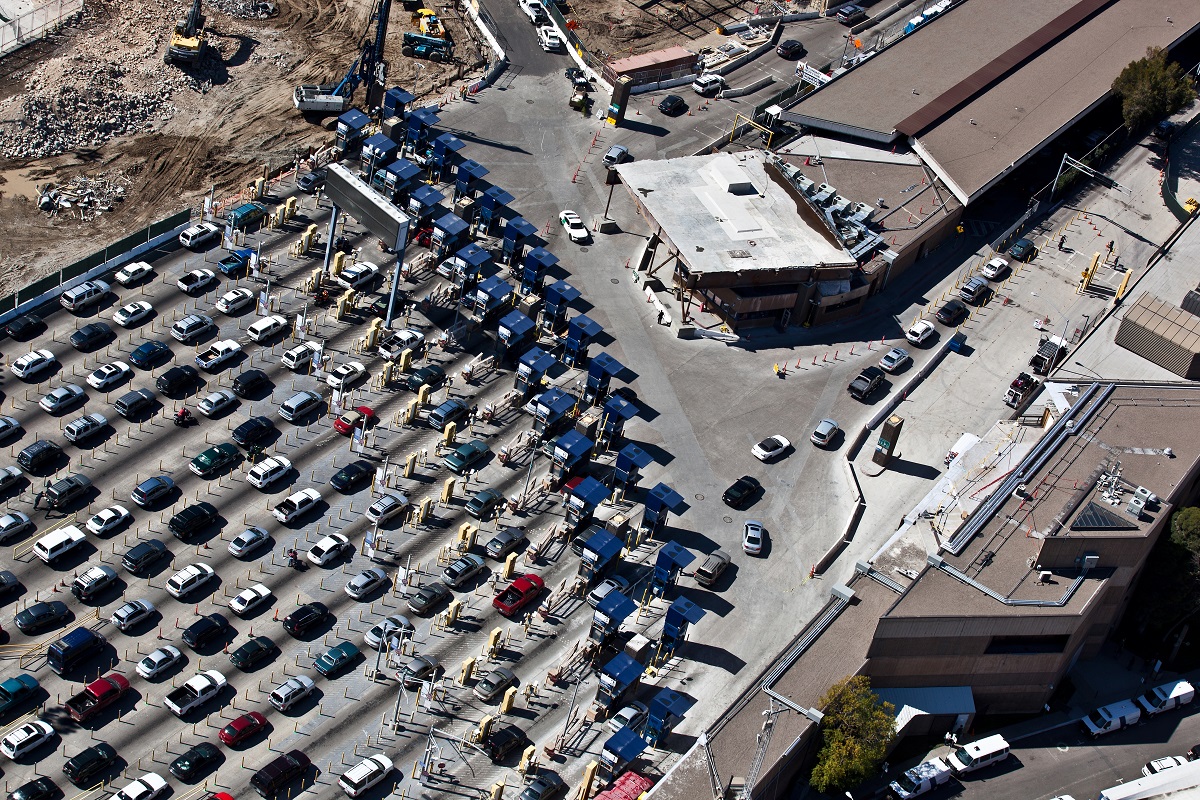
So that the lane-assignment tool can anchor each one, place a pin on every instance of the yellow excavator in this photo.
(187, 42)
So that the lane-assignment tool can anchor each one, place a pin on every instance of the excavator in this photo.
(187, 42)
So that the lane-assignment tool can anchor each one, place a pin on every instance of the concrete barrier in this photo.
(751, 89)
(754, 22)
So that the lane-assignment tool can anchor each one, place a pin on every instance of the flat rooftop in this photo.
(985, 85)
(1082, 491)
(725, 214)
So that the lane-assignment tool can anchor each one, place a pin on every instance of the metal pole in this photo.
(611, 186)
(391, 312)
(333, 220)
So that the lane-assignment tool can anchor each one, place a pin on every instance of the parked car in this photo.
(769, 448)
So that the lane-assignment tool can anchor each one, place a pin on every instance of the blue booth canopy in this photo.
(625, 744)
(426, 196)
(593, 492)
(496, 288)
(537, 359)
(515, 325)
(574, 443)
(603, 543)
(622, 668)
(676, 554)
(474, 255)
(452, 224)
(667, 497)
(616, 607)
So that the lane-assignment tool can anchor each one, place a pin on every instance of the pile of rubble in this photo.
(85, 112)
(245, 9)
(85, 196)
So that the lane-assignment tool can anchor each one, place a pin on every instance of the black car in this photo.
(250, 382)
(310, 182)
(951, 313)
(672, 104)
(192, 519)
(86, 766)
(177, 379)
(91, 336)
(305, 618)
(789, 48)
(253, 430)
(503, 741)
(142, 556)
(190, 766)
(39, 789)
(432, 375)
(40, 616)
(252, 653)
(352, 475)
(147, 354)
(25, 326)
(740, 492)
(9, 583)
(204, 630)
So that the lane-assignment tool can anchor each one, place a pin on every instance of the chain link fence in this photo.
(39, 21)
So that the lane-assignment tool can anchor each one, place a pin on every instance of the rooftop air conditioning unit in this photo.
(1135, 508)
(1146, 495)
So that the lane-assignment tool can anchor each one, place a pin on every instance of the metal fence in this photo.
(593, 61)
(74, 270)
(39, 21)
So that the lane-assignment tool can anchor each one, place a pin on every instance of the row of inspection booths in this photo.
(403, 163)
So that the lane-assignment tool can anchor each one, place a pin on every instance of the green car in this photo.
(14, 690)
(336, 658)
(195, 762)
(214, 459)
(252, 653)
(465, 455)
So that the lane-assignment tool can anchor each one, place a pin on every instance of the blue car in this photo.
(336, 658)
(148, 353)
(14, 690)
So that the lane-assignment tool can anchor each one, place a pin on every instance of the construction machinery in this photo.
(420, 46)
(427, 21)
(187, 42)
(369, 68)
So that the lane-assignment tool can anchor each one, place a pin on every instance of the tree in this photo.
(857, 731)
(1151, 89)
(1185, 529)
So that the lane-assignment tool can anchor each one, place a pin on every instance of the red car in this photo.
(360, 417)
(518, 594)
(242, 728)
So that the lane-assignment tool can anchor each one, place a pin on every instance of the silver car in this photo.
(248, 541)
(366, 582)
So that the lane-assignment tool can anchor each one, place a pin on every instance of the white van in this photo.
(56, 544)
(977, 755)
(266, 328)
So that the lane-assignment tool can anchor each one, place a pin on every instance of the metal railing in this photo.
(36, 23)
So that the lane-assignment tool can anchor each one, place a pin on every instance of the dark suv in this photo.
(249, 382)
(85, 767)
(305, 618)
(432, 375)
(253, 430)
(140, 557)
(503, 741)
(204, 630)
(192, 519)
(176, 379)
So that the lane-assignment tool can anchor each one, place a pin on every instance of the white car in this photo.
(32, 363)
(366, 582)
(574, 226)
(358, 275)
(190, 577)
(248, 541)
(385, 508)
(131, 614)
(1160, 764)
(609, 585)
(267, 471)
(920, 332)
(753, 534)
(147, 787)
(108, 520)
(894, 359)
(345, 375)
(9, 425)
(133, 313)
(25, 739)
(993, 269)
(109, 375)
(365, 774)
(250, 599)
(199, 235)
(769, 448)
(133, 273)
(62, 397)
(291, 691)
(296, 504)
(158, 662)
(217, 403)
(235, 300)
(632, 715)
(196, 280)
(329, 548)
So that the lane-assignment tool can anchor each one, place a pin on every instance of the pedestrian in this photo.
(661, 314)
(1062, 243)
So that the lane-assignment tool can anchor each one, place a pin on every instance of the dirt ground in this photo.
(98, 99)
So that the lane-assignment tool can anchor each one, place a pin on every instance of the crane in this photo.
(368, 68)
(187, 42)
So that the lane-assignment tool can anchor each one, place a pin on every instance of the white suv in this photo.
(291, 691)
(189, 578)
(26, 738)
(267, 471)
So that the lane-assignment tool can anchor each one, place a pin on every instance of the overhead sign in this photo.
(353, 196)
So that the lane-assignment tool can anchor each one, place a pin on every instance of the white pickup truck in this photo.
(534, 10)
(921, 778)
(199, 689)
(218, 354)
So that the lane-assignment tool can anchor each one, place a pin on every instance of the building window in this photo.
(1026, 645)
